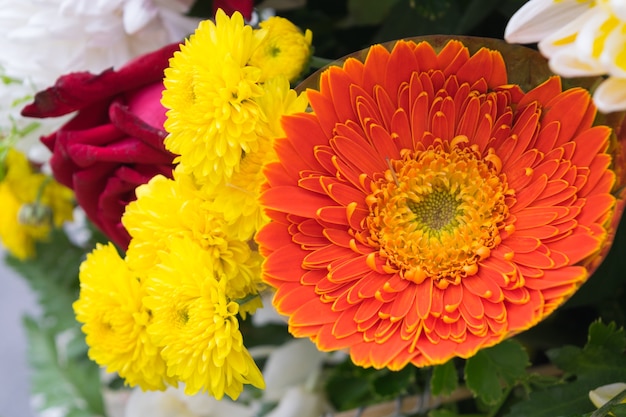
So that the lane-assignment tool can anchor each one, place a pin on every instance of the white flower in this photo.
(298, 402)
(580, 38)
(537, 19)
(297, 362)
(42, 40)
(174, 403)
(605, 393)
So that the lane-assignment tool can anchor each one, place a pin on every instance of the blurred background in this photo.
(16, 299)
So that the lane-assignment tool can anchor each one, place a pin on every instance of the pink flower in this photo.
(114, 142)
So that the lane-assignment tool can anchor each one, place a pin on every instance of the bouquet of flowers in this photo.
(304, 209)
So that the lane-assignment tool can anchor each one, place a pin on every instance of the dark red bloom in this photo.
(244, 7)
(114, 142)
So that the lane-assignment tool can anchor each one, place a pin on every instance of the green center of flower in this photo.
(436, 213)
(436, 210)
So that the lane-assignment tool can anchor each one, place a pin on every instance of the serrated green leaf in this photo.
(444, 379)
(607, 337)
(491, 370)
(600, 362)
(602, 352)
(562, 400)
(61, 380)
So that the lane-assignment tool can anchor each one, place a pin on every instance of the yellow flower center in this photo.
(437, 212)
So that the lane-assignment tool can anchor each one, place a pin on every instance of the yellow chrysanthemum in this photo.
(210, 93)
(166, 209)
(237, 199)
(196, 323)
(32, 203)
(285, 50)
(115, 320)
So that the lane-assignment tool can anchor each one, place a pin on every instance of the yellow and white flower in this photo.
(580, 38)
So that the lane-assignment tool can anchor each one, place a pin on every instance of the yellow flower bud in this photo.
(285, 50)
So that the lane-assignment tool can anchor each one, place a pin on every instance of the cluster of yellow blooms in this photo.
(34, 199)
(168, 311)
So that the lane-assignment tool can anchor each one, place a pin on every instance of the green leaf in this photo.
(393, 383)
(619, 410)
(492, 370)
(444, 379)
(53, 275)
(601, 361)
(349, 386)
(606, 336)
(562, 400)
(602, 353)
(61, 377)
(368, 12)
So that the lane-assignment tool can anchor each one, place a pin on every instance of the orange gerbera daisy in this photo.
(426, 208)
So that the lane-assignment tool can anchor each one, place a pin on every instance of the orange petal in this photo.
(452, 57)
(294, 200)
(543, 93)
(344, 326)
(321, 257)
(423, 299)
(483, 286)
(402, 63)
(571, 105)
(577, 246)
(359, 155)
(595, 208)
(557, 277)
(283, 264)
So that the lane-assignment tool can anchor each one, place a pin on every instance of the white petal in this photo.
(540, 18)
(613, 56)
(605, 393)
(610, 96)
(298, 403)
(592, 31)
(617, 7)
(156, 404)
(137, 14)
(567, 35)
(569, 63)
(291, 364)
(180, 6)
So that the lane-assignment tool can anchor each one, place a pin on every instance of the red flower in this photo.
(115, 141)
(244, 7)
(426, 208)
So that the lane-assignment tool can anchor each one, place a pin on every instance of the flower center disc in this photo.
(437, 212)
